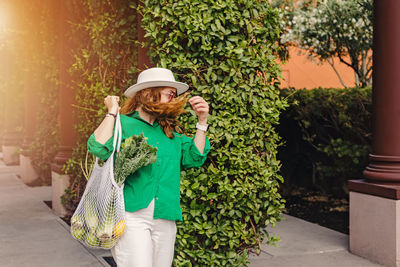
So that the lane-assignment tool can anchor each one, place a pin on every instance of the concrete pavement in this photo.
(305, 244)
(32, 235)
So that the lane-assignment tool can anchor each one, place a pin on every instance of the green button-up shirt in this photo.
(160, 180)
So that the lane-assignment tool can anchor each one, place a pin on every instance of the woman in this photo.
(152, 200)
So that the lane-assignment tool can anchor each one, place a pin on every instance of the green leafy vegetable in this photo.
(134, 154)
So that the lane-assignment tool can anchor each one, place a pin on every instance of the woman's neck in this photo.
(145, 116)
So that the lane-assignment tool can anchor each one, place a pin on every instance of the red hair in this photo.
(165, 113)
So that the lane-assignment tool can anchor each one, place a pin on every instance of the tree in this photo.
(332, 28)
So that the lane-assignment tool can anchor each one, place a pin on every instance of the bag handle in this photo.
(117, 133)
(116, 146)
(117, 136)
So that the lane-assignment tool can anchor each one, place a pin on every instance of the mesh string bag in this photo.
(98, 221)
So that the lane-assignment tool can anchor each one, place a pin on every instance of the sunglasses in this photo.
(171, 95)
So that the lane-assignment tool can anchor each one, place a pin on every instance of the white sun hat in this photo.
(155, 77)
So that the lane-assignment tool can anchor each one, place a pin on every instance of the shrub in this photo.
(225, 51)
(327, 134)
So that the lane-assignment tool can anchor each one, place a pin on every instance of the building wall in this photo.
(300, 72)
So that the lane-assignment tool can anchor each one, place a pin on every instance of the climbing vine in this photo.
(225, 51)
(105, 64)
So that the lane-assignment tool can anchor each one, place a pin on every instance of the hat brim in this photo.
(180, 87)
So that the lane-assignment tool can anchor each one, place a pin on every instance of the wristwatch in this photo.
(202, 127)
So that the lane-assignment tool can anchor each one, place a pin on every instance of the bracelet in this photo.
(202, 127)
(110, 114)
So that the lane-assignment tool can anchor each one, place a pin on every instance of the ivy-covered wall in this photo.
(225, 50)
(105, 64)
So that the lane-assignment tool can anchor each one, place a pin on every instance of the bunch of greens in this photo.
(134, 154)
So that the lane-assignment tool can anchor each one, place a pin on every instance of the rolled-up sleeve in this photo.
(99, 150)
(191, 156)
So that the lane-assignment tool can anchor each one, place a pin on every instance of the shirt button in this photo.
(156, 198)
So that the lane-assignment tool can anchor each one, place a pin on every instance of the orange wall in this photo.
(300, 72)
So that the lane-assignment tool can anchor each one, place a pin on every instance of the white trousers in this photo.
(146, 242)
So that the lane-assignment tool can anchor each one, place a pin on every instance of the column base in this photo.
(10, 155)
(59, 182)
(28, 174)
(374, 228)
(383, 169)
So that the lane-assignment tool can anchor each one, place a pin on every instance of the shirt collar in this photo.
(135, 114)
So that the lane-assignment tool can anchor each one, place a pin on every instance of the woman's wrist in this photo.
(202, 121)
(113, 111)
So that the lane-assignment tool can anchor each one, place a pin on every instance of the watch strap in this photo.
(202, 127)
(111, 114)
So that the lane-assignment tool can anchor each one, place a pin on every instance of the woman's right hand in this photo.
(111, 102)
(104, 131)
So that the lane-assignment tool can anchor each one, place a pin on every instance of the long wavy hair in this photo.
(165, 113)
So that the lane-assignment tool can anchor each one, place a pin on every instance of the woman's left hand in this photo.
(200, 107)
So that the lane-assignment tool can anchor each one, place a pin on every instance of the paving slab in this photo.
(307, 244)
(299, 237)
(32, 235)
(15, 169)
(326, 259)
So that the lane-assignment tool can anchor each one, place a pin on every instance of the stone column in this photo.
(31, 101)
(11, 138)
(385, 158)
(31, 88)
(68, 137)
(375, 201)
